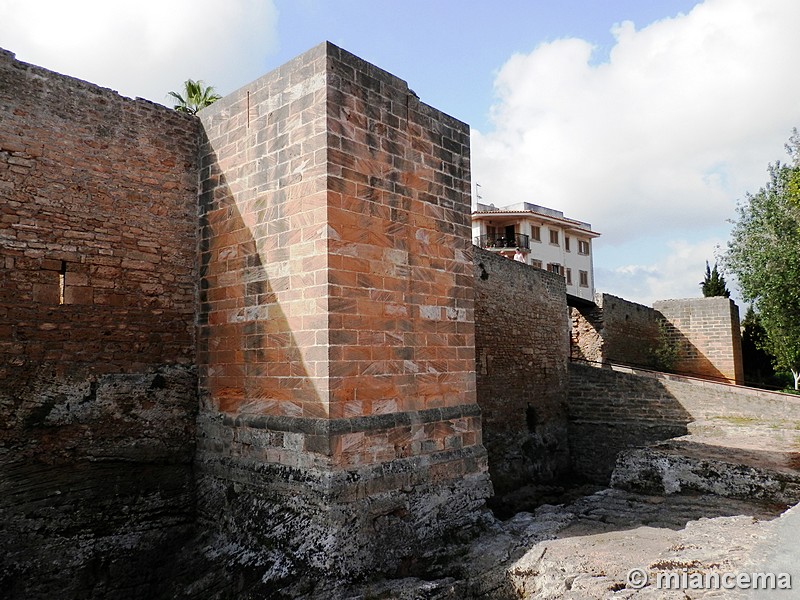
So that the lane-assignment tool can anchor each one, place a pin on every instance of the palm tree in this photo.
(196, 96)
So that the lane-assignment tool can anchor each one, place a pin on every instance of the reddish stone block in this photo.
(46, 293)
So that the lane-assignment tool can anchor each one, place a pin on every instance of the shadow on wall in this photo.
(739, 439)
(677, 354)
(609, 413)
(249, 359)
(253, 383)
(627, 333)
(521, 375)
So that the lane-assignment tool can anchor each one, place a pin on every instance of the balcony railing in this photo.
(519, 240)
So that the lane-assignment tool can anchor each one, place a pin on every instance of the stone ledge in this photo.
(352, 425)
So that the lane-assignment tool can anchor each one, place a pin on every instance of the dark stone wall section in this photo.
(611, 410)
(521, 344)
(97, 297)
(97, 488)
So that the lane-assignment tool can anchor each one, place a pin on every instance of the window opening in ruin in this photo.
(62, 282)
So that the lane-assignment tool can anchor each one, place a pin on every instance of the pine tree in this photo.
(714, 283)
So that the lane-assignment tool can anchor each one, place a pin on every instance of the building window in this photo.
(583, 247)
(566, 243)
(555, 268)
(569, 276)
(584, 275)
(554, 236)
(536, 233)
(536, 263)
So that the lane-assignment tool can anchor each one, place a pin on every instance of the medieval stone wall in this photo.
(707, 337)
(615, 330)
(521, 325)
(97, 383)
(338, 308)
(691, 336)
(612, 410)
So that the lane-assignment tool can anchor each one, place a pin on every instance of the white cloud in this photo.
(144, 48)
(679, 122)
(677, 273)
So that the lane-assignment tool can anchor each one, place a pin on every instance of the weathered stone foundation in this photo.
(313, 526)
(97, 488)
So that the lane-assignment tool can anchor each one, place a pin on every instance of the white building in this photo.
(546, 238)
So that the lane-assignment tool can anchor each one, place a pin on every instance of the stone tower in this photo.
(339, 432)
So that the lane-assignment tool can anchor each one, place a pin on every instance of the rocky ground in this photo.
(712, 502)
(585, 549)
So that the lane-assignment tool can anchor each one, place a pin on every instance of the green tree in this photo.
(714, 283)
(195, 96)
(764, 254)
(666, 352)
(793, 148)
(757, 362)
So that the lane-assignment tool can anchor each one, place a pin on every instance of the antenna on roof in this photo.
(478, 196)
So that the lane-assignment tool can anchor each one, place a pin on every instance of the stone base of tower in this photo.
(305, 526)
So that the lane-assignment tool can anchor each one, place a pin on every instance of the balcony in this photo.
(518, 240)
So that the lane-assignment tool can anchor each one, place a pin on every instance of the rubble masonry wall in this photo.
(613, 410)
(97, 296)
(521, 344)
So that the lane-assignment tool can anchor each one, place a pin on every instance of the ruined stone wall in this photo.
(612, 410)
(339, 432)
(97, 385)
(586, 334)
(707, 335)
(521, 341)
(703, 334)
(615, 330)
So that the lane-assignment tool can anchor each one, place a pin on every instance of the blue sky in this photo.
(448, 51)
(647, 119)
